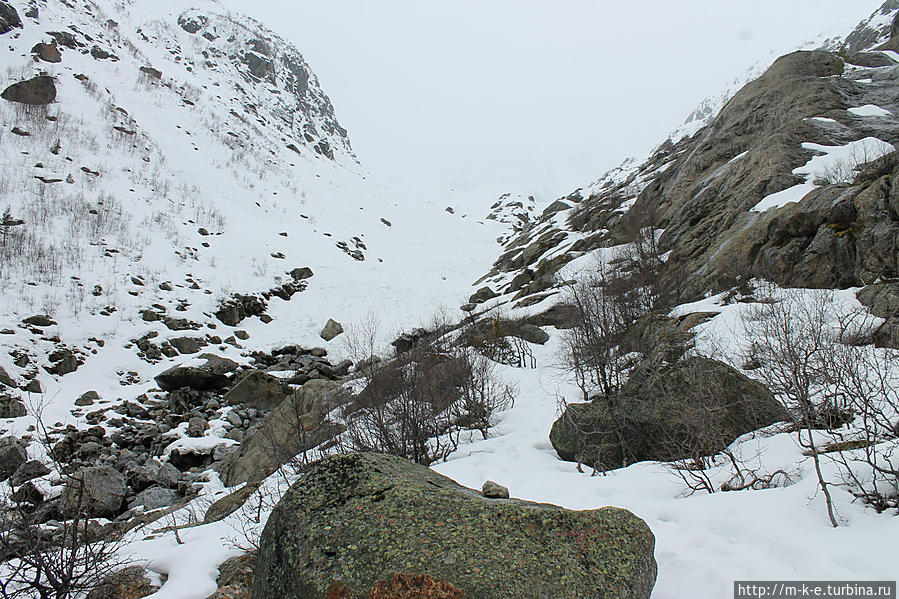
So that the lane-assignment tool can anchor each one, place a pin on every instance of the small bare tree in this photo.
(789, 339)
(866, 381)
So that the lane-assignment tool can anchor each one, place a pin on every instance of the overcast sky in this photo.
(537, 96)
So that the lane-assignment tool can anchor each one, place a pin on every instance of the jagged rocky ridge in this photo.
(701, 191)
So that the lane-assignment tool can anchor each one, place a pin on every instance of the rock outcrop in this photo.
(355, 522)
(37, 91)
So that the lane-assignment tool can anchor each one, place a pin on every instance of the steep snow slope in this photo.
(220, 175)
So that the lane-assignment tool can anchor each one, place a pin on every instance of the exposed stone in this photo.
(482, 295)
(227, 505)
(258, 390)
(12, 456)
(561, 316)
(154, 498)
(38, 91)
(332, 329)
(299, 274)
(12, 407)
(151, 72)
(129, 583)
(39, 320)
(493, 490)
(87, 398)
(329, 532)
(415, 586)
(29, 470)
(47, 52)
(9, 18)
(188, 345)
(6, 380)
(213, 374)
(296, 425)
(97, 492)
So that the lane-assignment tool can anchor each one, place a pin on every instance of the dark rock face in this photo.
(96, 492)
(12, 456)
(37, 91)
(696, 403)
(356, 520)
(47, 52)
(211, 375)
(9, 18)
(12, 407)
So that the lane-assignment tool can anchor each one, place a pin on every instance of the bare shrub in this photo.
(866, 382)
(418, 404)
(53, 562)
(790, 341)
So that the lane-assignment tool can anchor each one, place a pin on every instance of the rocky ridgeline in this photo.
(702, 189)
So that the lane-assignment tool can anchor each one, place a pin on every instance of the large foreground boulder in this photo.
(355, 522)
(696, 406)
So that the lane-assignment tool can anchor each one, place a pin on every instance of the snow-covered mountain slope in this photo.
(190, 154)
(228, 174)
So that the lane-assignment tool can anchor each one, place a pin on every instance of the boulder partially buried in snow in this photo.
(207, 372)
(666, 413)
(36, 91)
(354, 521)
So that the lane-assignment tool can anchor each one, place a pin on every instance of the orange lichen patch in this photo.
(420, 586)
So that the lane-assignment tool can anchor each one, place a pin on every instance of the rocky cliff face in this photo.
(791, 182)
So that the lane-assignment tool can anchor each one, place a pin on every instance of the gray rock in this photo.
(39, 320)
(328, 535)
(666, 413)
(188, 345)
(155, 498)
(531, 333)
(561, 316)
(493, 490)
(227, 505)
(196, 427)
(168, 475)
(332, 329)
(12, 407)
(12, 456)
(6, 380)
(29, 470)
(97, 492)
(296, 425)
(259, 390)
(482, 295)
(87, 398)
(211, 375)
(234, 418)
(298, 274)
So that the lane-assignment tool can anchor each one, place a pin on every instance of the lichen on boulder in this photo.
(353, 521)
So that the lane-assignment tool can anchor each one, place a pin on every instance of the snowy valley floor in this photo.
(703, 542)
